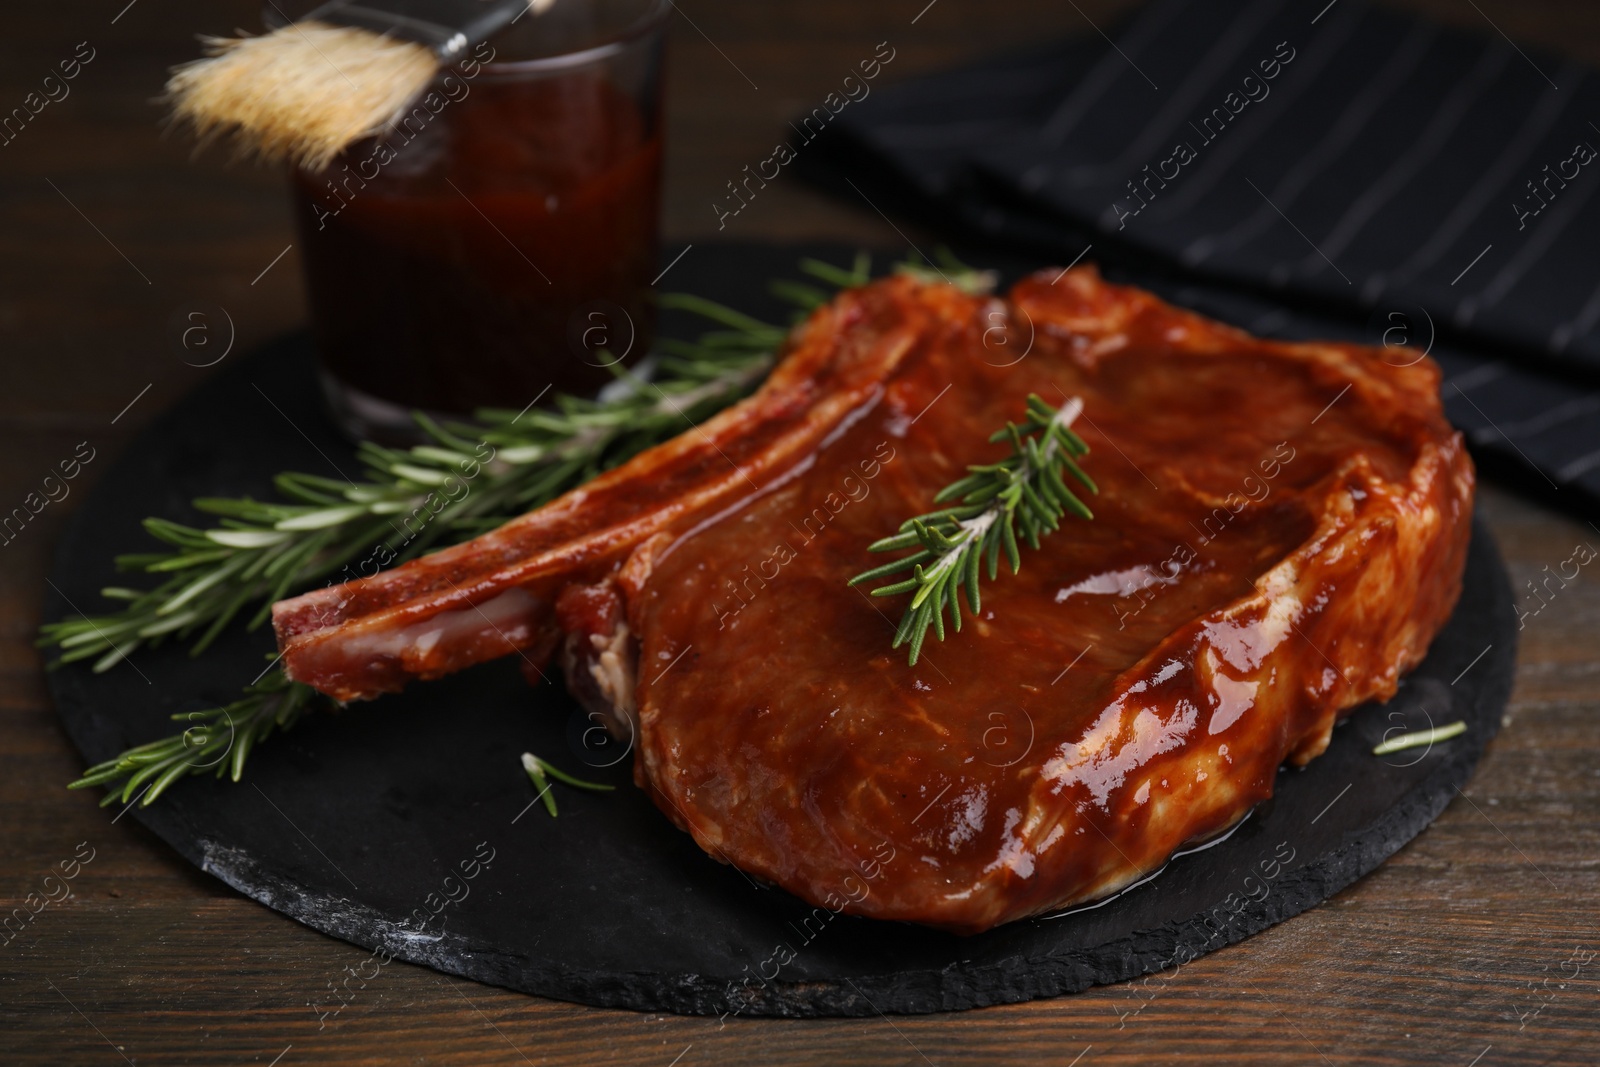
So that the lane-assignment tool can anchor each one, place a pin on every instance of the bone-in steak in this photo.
(1280, 532)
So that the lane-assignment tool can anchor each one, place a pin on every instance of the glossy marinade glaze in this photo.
(1280, 533)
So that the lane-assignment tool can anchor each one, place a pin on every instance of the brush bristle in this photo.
(301, 93)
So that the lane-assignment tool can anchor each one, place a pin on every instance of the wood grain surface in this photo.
(1475, 945)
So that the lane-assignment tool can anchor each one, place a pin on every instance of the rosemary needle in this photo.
(538, 769)
(1420, 738)
(530, 763)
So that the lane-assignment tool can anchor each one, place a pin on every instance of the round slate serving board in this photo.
(408, 826)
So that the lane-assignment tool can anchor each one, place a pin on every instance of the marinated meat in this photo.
(1280, 532)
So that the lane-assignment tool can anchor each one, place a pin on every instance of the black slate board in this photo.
(351, 821)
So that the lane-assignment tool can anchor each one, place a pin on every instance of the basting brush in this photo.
(345, 71)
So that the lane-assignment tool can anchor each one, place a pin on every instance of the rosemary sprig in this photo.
(1025, 491)
(219, 738)
(467, 479)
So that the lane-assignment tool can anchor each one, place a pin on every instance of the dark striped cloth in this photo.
(1357, 165)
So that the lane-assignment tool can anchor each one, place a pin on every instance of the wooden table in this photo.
(1471, 946)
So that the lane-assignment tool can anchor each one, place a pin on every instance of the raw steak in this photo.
(1280, 532)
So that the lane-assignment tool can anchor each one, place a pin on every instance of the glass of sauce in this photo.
(497, 244)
